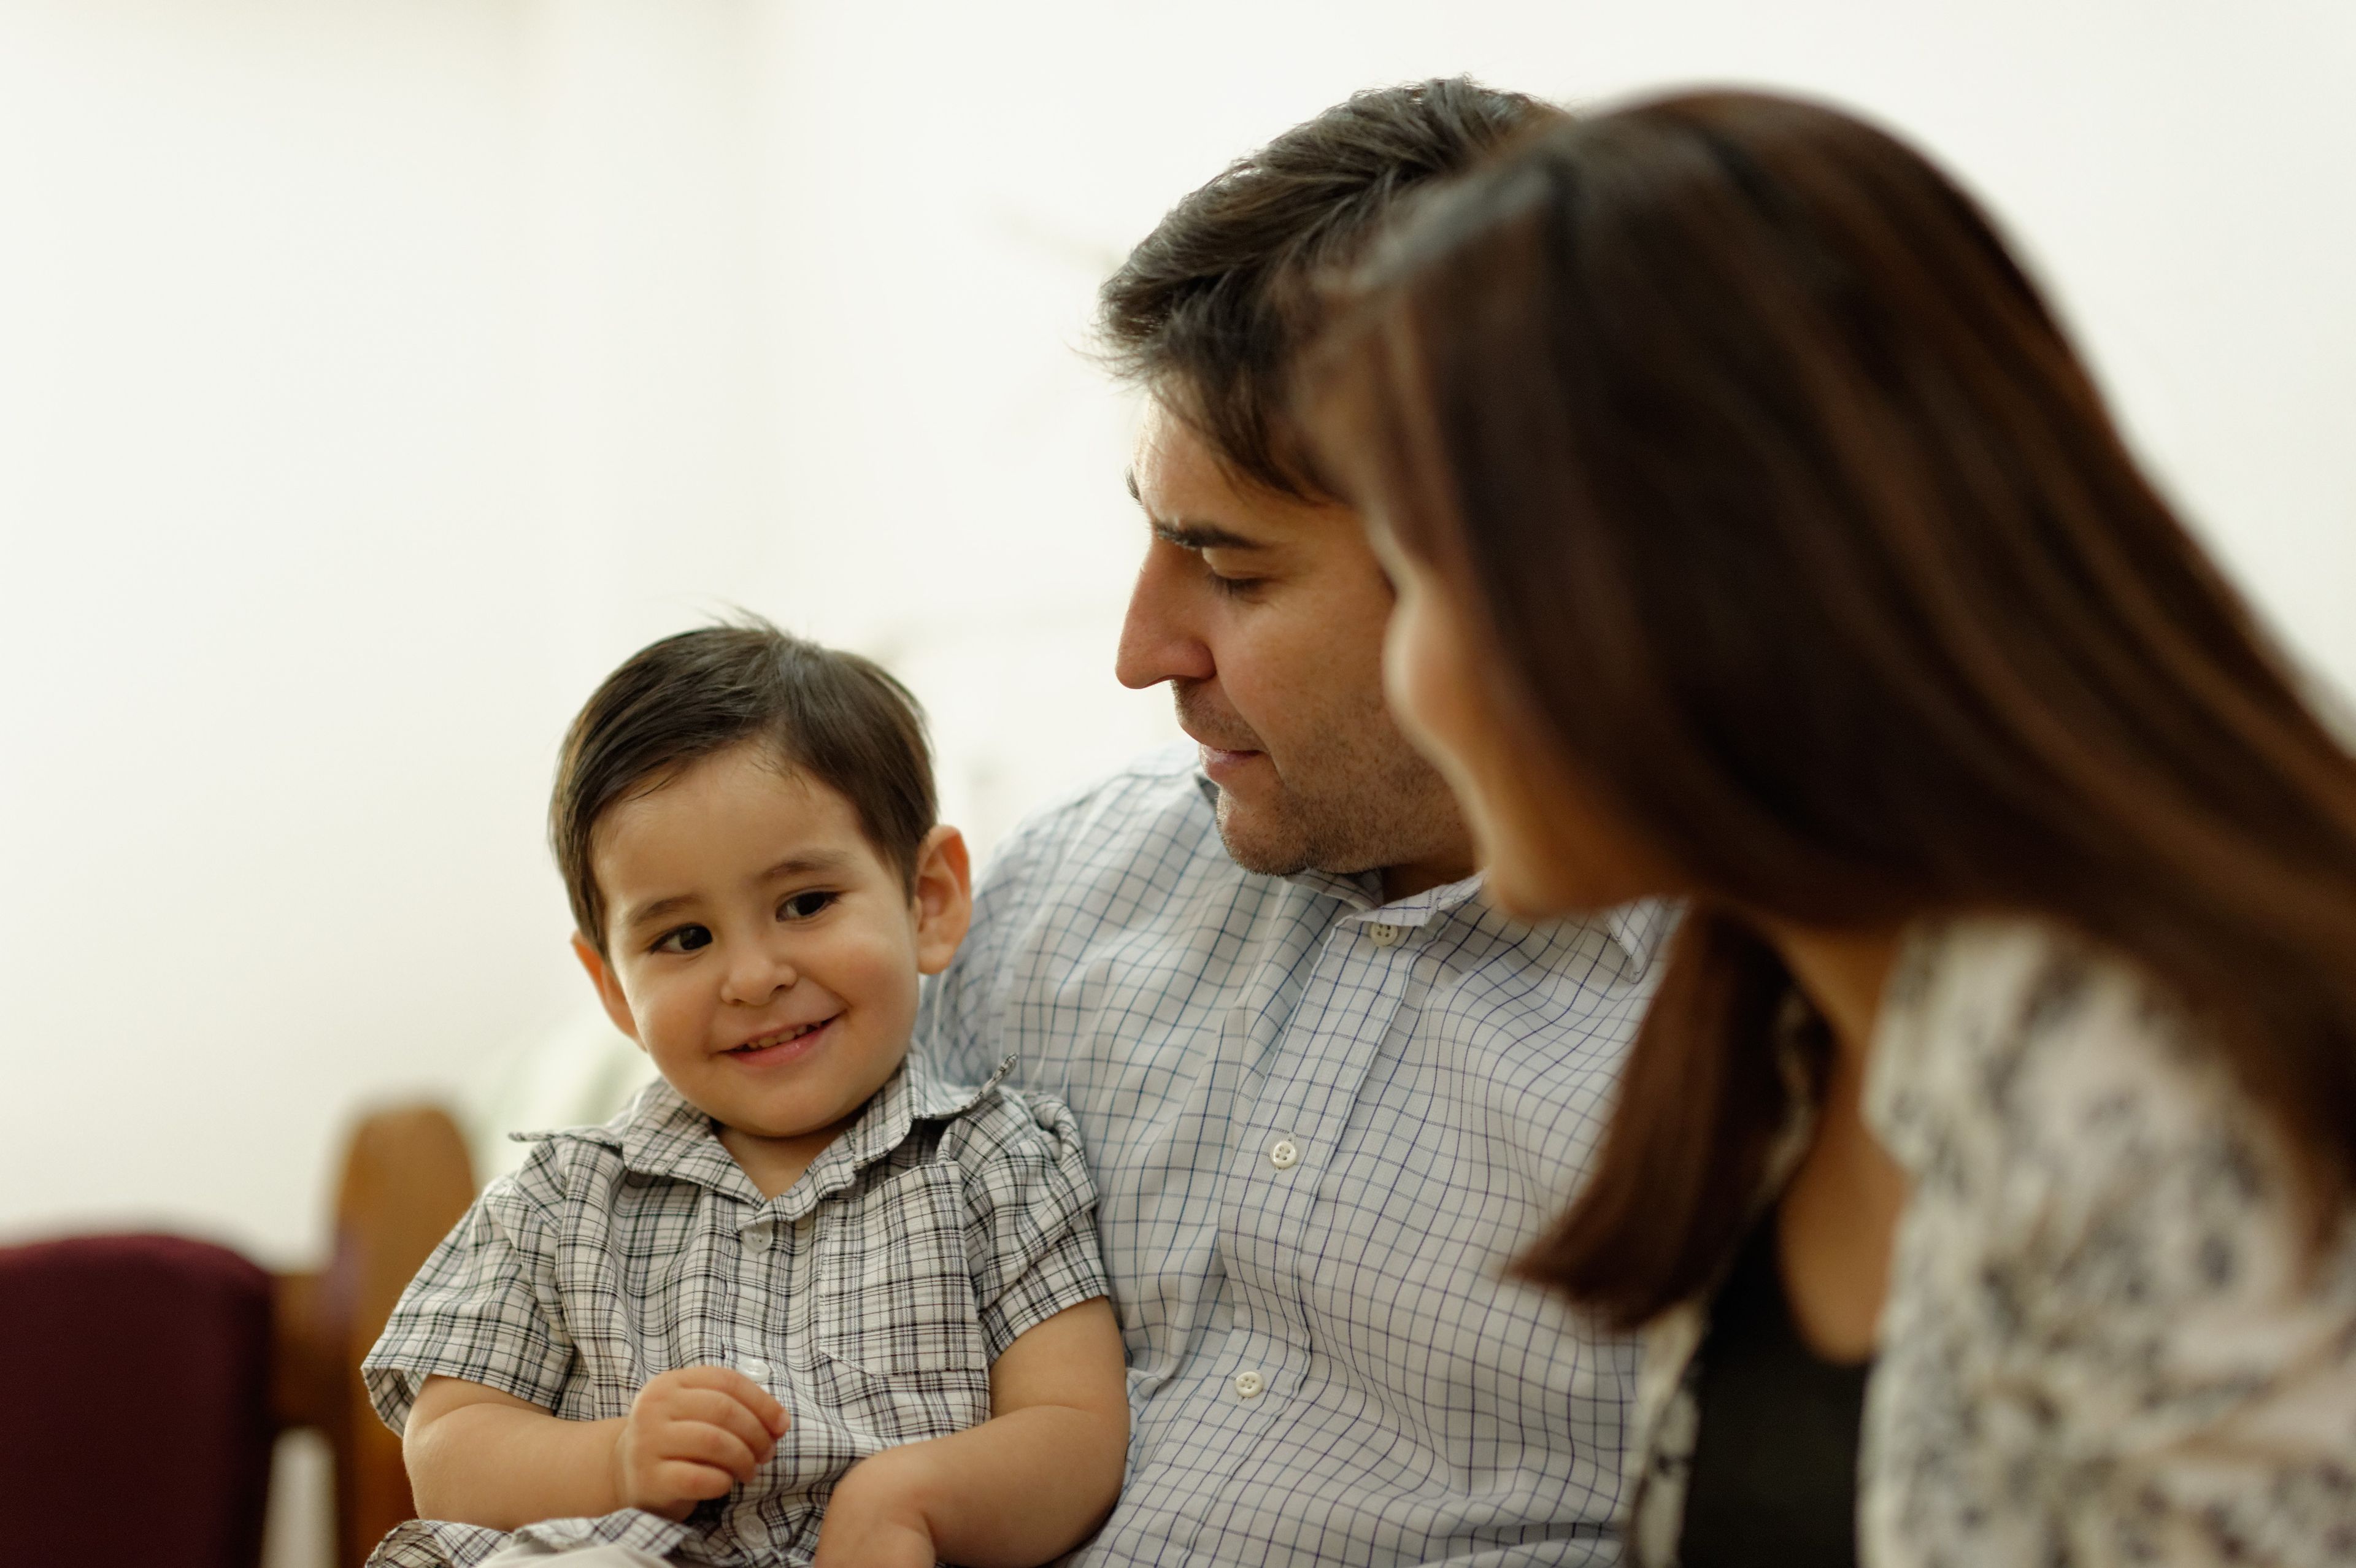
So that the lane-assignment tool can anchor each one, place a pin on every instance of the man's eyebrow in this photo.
(1204, 536)
(1187, 534)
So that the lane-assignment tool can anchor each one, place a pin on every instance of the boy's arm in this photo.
(1026, 1486)
(480, 1456)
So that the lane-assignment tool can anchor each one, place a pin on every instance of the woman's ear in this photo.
(942, 901)
(609, 989)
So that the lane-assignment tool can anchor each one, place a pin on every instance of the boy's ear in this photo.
(610, 989)
(943, 899)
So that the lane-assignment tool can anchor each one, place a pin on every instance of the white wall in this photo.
(375, 373)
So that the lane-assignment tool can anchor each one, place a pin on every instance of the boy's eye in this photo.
(801, 906)
(686, 939)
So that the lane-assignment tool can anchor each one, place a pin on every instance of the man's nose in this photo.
(1159, 639)
(757, 971)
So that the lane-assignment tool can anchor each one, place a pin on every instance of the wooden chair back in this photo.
(405, 1181)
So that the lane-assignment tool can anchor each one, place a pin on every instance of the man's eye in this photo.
(686, 939)
(801, 906)
(1233, 587)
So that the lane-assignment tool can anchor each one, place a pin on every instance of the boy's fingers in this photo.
(685, 1479)
(730, 1382)
(717, 1409)
(766, 1408)
(700, 1443)
(707, 1375)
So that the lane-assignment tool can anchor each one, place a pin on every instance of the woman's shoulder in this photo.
(2017, 1033)
(2064, 1118)
(2103, 1269)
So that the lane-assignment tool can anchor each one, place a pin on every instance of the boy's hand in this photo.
(691, 1435)
(876, 1517)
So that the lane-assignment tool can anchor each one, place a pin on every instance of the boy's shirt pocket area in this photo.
(896, 1327)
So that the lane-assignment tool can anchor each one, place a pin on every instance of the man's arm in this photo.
(480, 1456)
(1026, 1486)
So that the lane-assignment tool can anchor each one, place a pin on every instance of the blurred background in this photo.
(375, 374)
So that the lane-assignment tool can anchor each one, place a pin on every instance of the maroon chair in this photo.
(137, 1379)
(144, 1379)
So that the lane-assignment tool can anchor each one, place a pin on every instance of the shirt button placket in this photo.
(756, 1240)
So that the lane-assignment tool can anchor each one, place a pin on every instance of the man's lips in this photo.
(1223, 765)
(782, 1044)
(1220, 759)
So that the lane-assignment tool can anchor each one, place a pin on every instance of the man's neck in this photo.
(1423, 876)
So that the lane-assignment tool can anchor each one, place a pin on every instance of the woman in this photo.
(1761, 541)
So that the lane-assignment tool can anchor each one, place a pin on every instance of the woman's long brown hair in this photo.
(1792, 518)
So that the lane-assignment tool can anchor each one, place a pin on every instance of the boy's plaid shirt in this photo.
(871, 1297)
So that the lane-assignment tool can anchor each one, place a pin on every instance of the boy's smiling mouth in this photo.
(782, 1044)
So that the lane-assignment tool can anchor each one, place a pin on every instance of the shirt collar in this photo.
(1637, 929)
(660, 1134)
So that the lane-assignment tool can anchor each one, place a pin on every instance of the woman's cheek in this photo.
(1409, 678)
(1440, 705)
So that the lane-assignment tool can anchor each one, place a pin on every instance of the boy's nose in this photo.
(756, 977)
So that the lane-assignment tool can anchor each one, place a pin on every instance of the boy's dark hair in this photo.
(1211, 308)
(832, 716)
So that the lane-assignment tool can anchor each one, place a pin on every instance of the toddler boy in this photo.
(802, 1300)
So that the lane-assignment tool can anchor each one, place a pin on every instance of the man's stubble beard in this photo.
(1357, 798)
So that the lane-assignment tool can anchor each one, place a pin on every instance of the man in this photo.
(1328, 1094)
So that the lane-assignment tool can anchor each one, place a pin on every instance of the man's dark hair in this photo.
(1211, 308)
(832, 718)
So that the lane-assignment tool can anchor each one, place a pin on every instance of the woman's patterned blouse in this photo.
(2107, 1340)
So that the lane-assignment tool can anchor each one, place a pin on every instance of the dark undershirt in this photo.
(1774, 1468)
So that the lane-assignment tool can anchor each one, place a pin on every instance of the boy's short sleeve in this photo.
(482, 1309)
(1030, 1218)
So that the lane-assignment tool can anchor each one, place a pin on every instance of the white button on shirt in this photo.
(1197, 1018)
(1284, 1154)
(1251, 1385)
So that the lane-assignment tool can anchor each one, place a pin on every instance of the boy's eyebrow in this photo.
(814, 862)
(647, 914)
(811, 862)
(1187, 534)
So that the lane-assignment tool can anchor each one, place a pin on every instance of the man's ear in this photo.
(943, 899)
(609, 989)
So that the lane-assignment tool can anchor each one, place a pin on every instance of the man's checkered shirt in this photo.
(1321, 1129)
(870, 1296)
